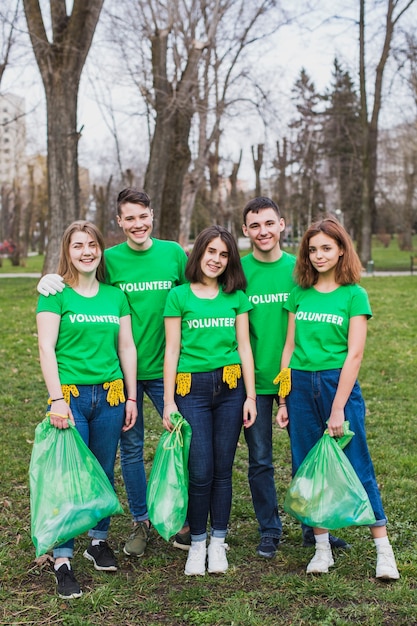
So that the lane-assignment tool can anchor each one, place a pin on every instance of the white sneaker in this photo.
(217, 560)
(196, 561)
(386, 566)
(322, 560)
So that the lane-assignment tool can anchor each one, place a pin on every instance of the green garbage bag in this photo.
(326, 491)
(167, 491)
(69, 490)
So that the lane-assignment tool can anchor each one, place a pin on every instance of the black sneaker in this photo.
(67, 585)
(268, 547)
(102, 556)
(183, 540)
(335, 542)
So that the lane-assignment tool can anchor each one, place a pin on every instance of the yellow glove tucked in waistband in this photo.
(284, 380)
(116, 393)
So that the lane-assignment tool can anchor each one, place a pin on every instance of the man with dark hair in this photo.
(269, 272)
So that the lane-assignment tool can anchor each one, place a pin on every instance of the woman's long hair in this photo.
(66, 268)
(348, 269)
(233, 277)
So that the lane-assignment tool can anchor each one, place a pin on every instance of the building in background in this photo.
(12, 139)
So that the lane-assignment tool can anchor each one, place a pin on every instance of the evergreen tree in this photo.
(342, 145)
(307, 199)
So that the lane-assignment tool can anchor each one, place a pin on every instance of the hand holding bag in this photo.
(326, 491)
(167, 492)
(69, 490)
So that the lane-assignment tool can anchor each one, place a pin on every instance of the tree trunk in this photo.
(282, 163)
(170, 154)
(192, 184)
(63, 186)
(102, 200)
(177, 166)
(193, 180)
(233, 182)
(60, 64)
(370, 127)
(15, 225)
(257, 164)
(410, 169)
(215, 200)
(156, 170)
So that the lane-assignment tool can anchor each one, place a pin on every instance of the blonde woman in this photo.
(88, 361)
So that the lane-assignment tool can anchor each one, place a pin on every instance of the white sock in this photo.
(67, 563)
(217, 539)
(96, 542)
(381, 541)
(323, 538)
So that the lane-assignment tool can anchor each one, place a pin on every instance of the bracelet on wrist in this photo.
(251, 398)
(130, 400)
(282, 404)
(57, 399)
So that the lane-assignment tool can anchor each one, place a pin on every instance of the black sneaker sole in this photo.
(73, 596)
(100, 568)
(266, 555)
(181, 546)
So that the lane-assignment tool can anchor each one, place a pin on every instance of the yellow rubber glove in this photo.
(284, 380)
(231, 374)
(115, 394)
(183, 381)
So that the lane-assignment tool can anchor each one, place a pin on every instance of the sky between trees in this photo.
(316, 33)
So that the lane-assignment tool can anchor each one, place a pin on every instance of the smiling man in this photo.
(269, 272)
(146, 269)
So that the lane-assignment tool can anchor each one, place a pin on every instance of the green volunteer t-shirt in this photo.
(269, 285)
(146, 277)
(322, 325)
(87, 345)
(208, 328)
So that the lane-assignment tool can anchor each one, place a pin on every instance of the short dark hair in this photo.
(133, 196)
(233, 277)
(348, 269)
(257, 204)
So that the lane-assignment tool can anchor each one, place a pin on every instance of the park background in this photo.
(153, 591)
(206, 103)
(262, 97)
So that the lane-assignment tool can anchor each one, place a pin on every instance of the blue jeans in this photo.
(131, 449)
(215, 414)
(309, 406)
(261, 468)
(99, 425)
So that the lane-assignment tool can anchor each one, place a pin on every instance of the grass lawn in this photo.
(153, 590)
(389, 258)
(385, 259)
(28, 265)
